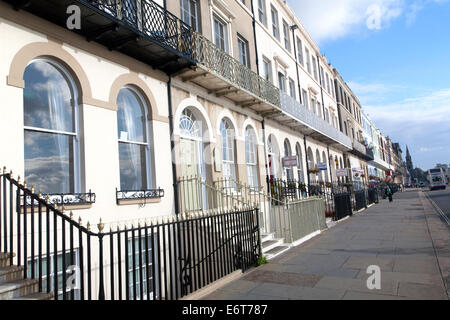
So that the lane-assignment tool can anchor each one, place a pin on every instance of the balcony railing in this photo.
(358, 146)
(302, 114)
(222, 64)
(150, 20)
(361, 150)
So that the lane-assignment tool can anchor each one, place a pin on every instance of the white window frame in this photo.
(243, 51)
(148, 161)
(308, 61)
(275, 22)
(58, 274)
(150, 266)
(300, 51)
(305, 98)
(188, 12)
(282, 84)
(287, 36)
(252, 150)
(262, 12)
(226, 36)
(76, 122)
(268, 63)
(292, 91)
(228, 165)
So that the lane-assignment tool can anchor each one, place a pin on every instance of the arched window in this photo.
(274, 156)
(51, 128)
(228, 149)
(318, 161)
(311, 164)
(325, 173)
(133, 135)
(301, 177)
(288, 153)
(191, 145)
(251, 157)
(189, 125)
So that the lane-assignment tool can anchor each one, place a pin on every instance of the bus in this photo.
(437, 179)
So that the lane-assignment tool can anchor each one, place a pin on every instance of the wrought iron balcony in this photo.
(220, 73)
(298, 117)
(130, 195)
(362, 151)
(141, 29)
(68, 199)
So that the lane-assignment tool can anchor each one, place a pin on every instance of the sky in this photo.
(395, 55)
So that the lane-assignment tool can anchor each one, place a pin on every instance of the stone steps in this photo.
(272, 247)
(13, 286)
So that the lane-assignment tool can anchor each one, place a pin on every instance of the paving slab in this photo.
(406, 239)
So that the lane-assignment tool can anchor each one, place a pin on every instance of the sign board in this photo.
(289, 162)
(358, 171)
(322, 166)
(341, 172)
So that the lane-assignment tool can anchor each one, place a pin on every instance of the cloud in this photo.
(331, 19)
(421, 122)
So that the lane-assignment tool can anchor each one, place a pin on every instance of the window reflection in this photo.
(50, 133)
(133, 145)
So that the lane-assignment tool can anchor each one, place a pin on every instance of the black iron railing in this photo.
(139, 194)
(336, 195)
(148, 19)
(164, 259)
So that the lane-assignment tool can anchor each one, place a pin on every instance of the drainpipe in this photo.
(321, 86)
(254, 38)
(307, 162)
(265, 149)
(293, 28)
(172, 145)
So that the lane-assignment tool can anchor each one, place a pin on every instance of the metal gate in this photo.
(360, 200)
(343, 205)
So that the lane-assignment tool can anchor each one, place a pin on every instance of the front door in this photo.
(190, 165)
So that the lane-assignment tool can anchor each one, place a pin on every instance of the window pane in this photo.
(130, 117)
(133, 175)
(47, 96)
(49, 162)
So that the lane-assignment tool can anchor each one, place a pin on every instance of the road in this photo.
(442, 199)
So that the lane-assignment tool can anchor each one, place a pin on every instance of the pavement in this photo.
(406, 239)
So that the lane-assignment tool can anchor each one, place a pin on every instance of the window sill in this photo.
(129, 202)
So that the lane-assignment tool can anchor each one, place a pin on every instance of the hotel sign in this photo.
(341, 172)
(290, 162)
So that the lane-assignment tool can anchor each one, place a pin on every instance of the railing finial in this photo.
(19, 180)
(39, 194)
(100, 226)
(71, 215)
(88, 226)
(11, 174)
(47, 199)
(80, 222)
(4, 170)
(32, 187)
(25, 184)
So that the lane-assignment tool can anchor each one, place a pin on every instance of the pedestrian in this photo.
(389, 193)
